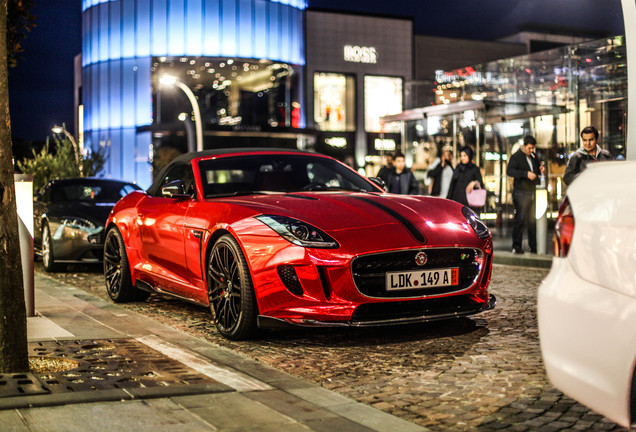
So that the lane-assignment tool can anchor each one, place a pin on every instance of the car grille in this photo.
(420, 310)
(369, 271)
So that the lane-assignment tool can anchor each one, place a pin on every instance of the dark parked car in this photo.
(69, 217)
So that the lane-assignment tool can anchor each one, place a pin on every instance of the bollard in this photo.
(541, 206)
(24, 204)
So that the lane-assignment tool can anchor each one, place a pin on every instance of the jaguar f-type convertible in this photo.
(266, 238)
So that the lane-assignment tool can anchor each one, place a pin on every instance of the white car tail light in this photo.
(564, 230)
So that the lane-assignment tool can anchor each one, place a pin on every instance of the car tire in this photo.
(230, 290)
(117, 276)
(48, 257)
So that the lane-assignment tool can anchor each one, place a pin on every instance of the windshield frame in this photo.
(264, 173)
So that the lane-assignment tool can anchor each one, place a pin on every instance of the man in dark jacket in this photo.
(385, 171)
(524, 167)
(401, 179)
(590, 151)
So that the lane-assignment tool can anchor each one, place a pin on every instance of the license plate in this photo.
(419, 279)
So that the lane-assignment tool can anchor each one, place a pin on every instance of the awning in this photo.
(496, 111)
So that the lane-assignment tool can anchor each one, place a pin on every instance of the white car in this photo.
(587, 303)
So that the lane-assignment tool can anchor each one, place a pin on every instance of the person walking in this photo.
(525, 169)
(386, 170)
(401, 179)
(589, 151)
(441, 173)
(465, 177)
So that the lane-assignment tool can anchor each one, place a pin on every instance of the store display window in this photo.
(382, 96)
(334, 96)
(237, 94)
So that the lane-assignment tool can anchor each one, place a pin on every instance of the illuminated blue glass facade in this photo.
(121, 38)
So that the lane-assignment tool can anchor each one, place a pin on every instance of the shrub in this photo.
(46, 165)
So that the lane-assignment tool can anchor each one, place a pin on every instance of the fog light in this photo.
(93, 239)
(290, 279)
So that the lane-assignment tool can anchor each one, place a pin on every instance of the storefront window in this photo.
(382, 96)
(550, 95)
(234, 94)
(334, 102)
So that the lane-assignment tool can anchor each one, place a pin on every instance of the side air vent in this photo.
(289, 277)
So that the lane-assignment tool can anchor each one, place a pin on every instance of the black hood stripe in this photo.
(416, 233)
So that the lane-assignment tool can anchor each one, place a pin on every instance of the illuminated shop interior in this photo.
(242, 96)
(551, 95)
(334, 111)
(334, 102)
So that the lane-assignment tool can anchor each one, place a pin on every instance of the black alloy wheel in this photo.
(119, 283)
(48, 258)
(230, 290)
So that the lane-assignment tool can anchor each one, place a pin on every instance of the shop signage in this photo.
(470, 76)
(358, 54)
(384, 144)
(337, 142)
(491, 156)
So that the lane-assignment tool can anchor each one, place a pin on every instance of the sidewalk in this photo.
(502, 243)
(137, 374)
(133, 373)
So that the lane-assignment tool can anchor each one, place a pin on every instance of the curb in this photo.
(525, 260)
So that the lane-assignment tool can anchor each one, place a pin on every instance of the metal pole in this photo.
(24, 204)
(196, 111)
(78, 159)
(541, 207)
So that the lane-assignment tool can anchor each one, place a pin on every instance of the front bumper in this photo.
(392, 313)
(587, 335)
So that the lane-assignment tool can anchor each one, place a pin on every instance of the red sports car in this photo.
(269, 237)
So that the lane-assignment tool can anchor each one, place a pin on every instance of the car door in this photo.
(161, 229)
(197, 229)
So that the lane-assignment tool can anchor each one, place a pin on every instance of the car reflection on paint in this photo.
(269, 238)
(69, 217)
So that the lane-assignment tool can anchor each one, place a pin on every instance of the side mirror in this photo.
(174, 189)
(378, 181)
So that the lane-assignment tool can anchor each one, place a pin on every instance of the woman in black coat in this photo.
(466, 176)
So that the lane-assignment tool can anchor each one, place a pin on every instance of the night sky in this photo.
(41, 87)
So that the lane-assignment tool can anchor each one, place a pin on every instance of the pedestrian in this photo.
(590, 151)
(525, 169)
(441, 172)
(401, 179)
(386, 169)
(465, 177)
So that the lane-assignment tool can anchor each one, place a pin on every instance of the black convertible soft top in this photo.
(186, 158)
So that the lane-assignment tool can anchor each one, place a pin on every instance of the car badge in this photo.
(421, 258)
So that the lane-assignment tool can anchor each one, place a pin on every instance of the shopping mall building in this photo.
(259, 73)
(160, 77)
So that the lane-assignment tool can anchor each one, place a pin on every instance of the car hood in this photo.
(425, 220)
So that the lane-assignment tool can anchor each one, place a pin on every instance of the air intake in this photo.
(289, 277)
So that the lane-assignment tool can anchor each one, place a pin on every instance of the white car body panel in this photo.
(587, 303)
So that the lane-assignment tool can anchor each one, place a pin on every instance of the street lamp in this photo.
(168, 81)
(62, 130)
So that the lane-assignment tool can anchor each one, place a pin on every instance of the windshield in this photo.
(91, 191)
(278, 173)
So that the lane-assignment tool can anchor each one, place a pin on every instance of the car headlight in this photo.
(298, 232)
(80, 224)
(478, 226)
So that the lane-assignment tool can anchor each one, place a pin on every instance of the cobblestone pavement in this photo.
(484, 373)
